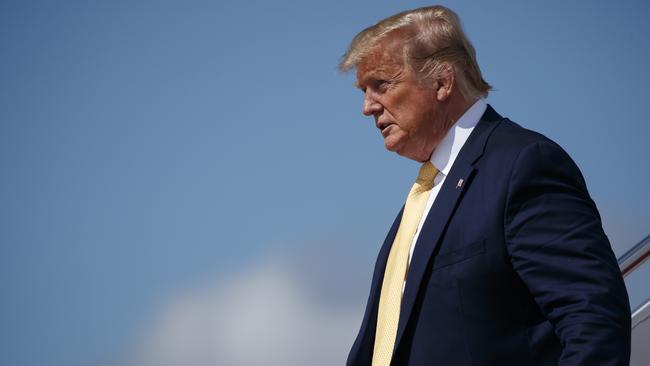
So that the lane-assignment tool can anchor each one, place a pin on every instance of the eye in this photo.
(382, 85)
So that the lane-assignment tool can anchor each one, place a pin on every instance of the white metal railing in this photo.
(641, 314)
(634, 257)
(630, 263)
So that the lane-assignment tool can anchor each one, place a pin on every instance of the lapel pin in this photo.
(460, 183)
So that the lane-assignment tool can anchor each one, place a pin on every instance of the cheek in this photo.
(425, 118)
(415, 122)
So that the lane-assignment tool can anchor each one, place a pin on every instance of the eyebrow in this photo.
(379, 73)
(376, 74)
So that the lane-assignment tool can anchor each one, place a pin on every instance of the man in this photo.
(498, 256)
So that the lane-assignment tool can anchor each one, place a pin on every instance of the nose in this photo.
(370, 105)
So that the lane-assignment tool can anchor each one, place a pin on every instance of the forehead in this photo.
(384, 59)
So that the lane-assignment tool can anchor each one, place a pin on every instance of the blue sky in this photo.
(159, 157)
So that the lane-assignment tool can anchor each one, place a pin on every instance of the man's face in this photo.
(405, 110)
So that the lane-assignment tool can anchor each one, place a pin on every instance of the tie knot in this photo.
(427, 173)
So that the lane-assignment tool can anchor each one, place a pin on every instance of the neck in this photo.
(457, 107)
(453, 110)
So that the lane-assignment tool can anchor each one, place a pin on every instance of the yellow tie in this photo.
(396, 267)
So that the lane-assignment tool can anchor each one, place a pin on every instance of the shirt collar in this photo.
(445, 154)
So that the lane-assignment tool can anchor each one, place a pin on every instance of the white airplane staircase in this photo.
(637, 281)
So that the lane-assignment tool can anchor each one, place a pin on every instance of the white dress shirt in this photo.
(445, 154)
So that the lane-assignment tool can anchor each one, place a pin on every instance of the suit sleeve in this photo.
(558, 248)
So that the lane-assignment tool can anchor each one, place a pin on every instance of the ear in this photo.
(446, 83)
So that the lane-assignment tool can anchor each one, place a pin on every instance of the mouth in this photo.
(384, 127)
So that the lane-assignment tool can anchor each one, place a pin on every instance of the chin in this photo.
(393, 145)
(412, 157)
(390, 147)
(420, 157)
(404, 154)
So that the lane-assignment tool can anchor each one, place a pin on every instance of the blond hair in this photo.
(435, 42)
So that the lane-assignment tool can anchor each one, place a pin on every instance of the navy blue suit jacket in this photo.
(512, 266)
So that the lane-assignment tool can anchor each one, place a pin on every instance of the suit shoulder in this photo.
(509, 139)
(509, 142)
(511, 134)
(511, 146)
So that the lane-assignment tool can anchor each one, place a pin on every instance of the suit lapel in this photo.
(455, 184)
